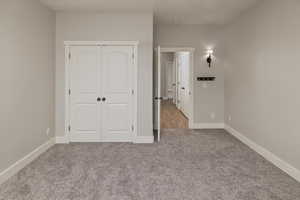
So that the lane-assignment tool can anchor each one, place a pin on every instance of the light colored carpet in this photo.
(186, 164)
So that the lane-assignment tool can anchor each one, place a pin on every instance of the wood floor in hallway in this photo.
(171, 117)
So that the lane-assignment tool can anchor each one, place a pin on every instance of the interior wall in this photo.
(27, 31)
(262, 77)
(208, 98)
(108, 27)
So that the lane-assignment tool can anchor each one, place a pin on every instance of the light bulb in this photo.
(210, 51)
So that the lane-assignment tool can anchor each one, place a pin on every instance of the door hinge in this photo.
(69, 56)
(132, 128)
(133, 58)
(69, 91)
(69, 128)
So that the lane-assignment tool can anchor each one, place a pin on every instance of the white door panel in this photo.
(169, 80)
(84, 73)
(116, 69)
(83, 112)
(185, 83)
(117, 84)
(183, 66)
(179, 82)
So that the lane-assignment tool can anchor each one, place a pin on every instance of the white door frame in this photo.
(191, 69)
(156, 92)
(68, 44)
(178, 99)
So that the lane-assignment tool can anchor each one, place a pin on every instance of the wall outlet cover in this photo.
(48, 131)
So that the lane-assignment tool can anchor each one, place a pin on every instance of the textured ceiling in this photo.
(165, 11)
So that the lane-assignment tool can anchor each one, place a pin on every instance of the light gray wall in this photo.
(262, 93)
(206, 100)
(98, 27)
(27, 31)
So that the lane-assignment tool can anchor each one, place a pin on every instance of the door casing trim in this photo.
(191, 51)
(69, 44)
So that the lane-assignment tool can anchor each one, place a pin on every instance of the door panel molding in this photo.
(117, 82)
(84, 74)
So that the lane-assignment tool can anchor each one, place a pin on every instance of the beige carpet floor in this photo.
(185, 165)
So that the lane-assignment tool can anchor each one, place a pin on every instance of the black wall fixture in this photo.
(206, 78)
(209, 57)
(209, 60)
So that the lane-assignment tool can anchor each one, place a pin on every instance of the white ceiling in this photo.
(165, 11)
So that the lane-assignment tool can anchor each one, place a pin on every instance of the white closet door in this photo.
(185, 65)
(180, 91)
(117, 81)
(85, 89)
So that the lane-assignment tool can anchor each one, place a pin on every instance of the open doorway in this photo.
(173, 85)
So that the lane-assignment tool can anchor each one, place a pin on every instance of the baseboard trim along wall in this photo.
(137, 140)
(20, 164)
(207, 126)
(144, 140)
(284, 166)
(62, 140)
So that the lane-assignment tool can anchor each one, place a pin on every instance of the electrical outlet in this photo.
(212, 115)
(48, 131)
(229, 118)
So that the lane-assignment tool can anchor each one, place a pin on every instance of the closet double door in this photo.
(101, 93)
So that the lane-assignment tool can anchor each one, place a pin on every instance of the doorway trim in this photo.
(68, 44)
(191, 70)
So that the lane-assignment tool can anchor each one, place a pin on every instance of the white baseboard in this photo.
(139, 139)
(284, 166)
(20, 164)
(207, 126)
(62, 140)
(144, 140)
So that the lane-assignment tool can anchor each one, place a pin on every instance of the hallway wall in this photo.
(208, 98)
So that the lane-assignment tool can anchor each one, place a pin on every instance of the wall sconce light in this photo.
(209, 57)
